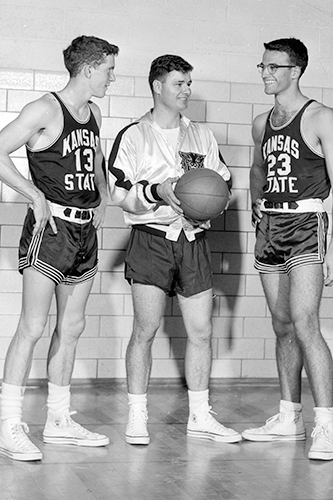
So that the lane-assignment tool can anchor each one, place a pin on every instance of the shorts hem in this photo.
(56, 276)
(289, 265)
(43, 268)
(76, 280)
(192, 294)
(172, 292)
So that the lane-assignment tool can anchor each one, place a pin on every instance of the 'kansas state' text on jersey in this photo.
(294, 170)
(65, 170)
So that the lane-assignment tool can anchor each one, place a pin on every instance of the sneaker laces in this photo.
(75, 425)
(139, 414)
(19, 435)
(276, 418)
(138, 418)
(322, 430)
(208, 417)
(281, 417)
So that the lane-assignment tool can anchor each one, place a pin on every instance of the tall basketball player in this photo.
(291, 175)
(58, 246)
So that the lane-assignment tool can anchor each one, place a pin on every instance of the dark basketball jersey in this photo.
(294, 170)
(65, 170)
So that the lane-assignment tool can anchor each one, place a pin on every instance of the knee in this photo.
(307, 328)
(70, 330)
(144, 332)
(306, 322)
(77, 327)
(282, 327)
(31, 329)
(200, 333)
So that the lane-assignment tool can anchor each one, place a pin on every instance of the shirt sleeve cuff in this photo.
(150, 193)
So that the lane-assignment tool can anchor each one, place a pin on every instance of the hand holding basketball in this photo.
(203, 194)
(165, 190)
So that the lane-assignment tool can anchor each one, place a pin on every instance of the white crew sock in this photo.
(198, 399)
(58, 399)
(11, 401)
(323, 415)
(289, 406)
(137, 399)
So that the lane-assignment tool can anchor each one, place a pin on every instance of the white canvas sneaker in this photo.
(136, 430)
(61, 429)
(15, 444)
(322, 445)
(285, 426)
(202, 425)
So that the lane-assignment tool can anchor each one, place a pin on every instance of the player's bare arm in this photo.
(100, 181)
(323, 126)
(257, 172)
(33, 121)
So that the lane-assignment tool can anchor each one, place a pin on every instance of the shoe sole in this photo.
(137, 439)
(75, 441)
(273, 437)
(214, 437)
(22, 457)
(320, 455)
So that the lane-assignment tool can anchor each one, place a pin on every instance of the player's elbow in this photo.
(229, 183)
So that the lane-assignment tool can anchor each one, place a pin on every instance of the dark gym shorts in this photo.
(288, 240)
(68, 257)
(182, 266)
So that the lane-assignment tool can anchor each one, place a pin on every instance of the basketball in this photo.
(203, 194)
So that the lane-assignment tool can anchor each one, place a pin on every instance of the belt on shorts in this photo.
(309, 205)
(71, 214)
(159, 232)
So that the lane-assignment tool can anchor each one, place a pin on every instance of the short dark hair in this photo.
(296, 50)
(163, 65)
(87, 50)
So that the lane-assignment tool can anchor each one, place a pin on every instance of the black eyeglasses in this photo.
(272, 68)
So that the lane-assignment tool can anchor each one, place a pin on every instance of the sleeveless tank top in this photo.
(294, 171)
(64, 171)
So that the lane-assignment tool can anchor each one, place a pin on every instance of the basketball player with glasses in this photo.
(58, 246)
(167, 254)
(291, 176)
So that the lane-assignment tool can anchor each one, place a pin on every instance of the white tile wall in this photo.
(223, 39)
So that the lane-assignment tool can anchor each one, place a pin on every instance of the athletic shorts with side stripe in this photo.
(68, 257)
(182, 267)
(288, 240)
